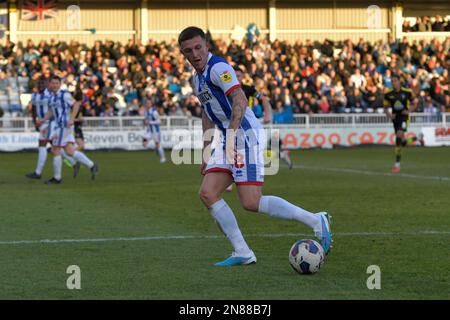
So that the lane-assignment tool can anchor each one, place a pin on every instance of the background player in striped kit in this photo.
(64, 108)
(152, 124)
(39, 108)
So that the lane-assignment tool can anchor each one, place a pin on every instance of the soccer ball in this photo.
(306, 256)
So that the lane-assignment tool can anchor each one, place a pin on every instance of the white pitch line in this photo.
(209, 237)
(373, 173)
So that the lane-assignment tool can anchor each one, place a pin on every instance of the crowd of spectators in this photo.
(427, 24)
(301, 77)
(340, 77)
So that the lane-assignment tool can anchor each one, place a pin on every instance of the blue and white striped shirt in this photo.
(154, 122)
(40, 101)
(61, 103)
(212, 88)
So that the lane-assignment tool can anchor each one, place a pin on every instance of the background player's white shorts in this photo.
(248, 167)
(62, 136)
(46, 131)
(155, 136)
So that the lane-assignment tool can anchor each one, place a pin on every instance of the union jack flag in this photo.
(39, 9)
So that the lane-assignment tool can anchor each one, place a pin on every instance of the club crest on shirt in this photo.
(202, 82)
(398, 105)
(239, 161)
(225, 76)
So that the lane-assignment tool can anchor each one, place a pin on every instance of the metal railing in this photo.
(11, 124)
(365, 120)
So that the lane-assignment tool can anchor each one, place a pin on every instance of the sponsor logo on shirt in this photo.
(225, 76)
(398, 105)
(204, 97)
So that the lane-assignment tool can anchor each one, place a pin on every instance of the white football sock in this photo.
(289, 161)
(162, 156)
(81, 158)
(65, 155)
(280, 208)
(57, 166)
(285, 156)
(226, 221)
(42, 157)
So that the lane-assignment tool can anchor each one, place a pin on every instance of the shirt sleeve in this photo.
(408, 98)
(386, 102)
(194, 83)
(156, 116)
(409, 93)
(223, 76)
(69, 99)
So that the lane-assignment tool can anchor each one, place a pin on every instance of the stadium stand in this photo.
(426, 24)
(355, 49)
(309, 77)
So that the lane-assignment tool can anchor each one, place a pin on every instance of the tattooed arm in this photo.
(240, 103)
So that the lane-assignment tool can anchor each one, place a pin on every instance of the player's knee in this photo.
(207, 197)
(70, 152)
(250, 204)
(80, 145)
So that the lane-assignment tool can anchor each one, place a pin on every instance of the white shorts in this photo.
(62, 136)
(155, 135)
(248, 167)
(46, 131)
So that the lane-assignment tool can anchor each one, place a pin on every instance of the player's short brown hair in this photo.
(189, 33)
(55, 77)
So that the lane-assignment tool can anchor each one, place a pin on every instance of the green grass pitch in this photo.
(160, 243)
